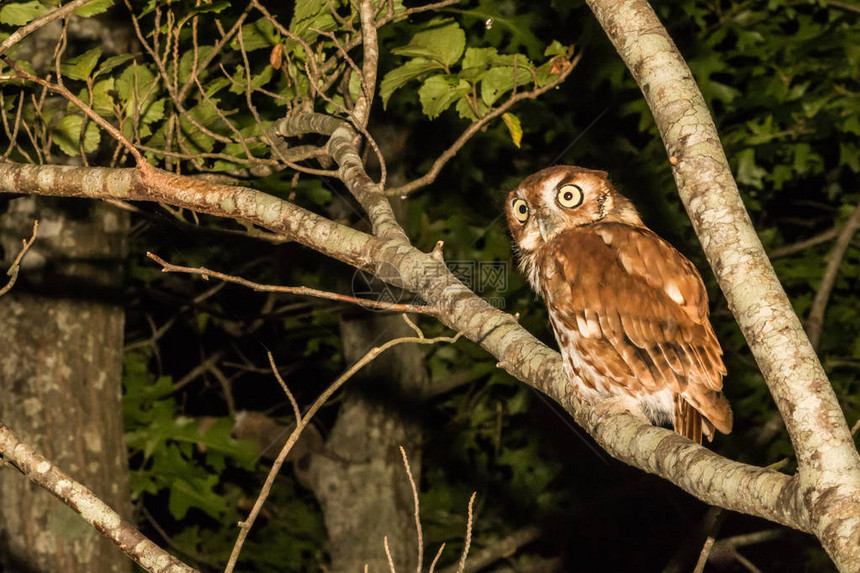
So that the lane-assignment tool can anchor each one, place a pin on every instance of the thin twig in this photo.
(468, 534)
(388, 555)
(500, 549)
(25, 31)
(300, 290)
(372, 354)
(417, 506)
(703, 555)
(803, 245)
(436, 559)
(292, 399)
(815, 322)
(15, 267)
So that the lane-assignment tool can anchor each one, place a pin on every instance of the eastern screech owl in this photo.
(629, 312)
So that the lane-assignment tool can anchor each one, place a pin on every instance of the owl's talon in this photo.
(621, 405)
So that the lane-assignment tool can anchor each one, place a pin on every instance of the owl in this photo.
(629, 312)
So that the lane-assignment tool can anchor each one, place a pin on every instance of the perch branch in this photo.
(828, 484)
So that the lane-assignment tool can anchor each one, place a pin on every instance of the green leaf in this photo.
(134, 83)
(443, 41)
(80, 67)
(465, 110)
(186, 62)
(103, 102)
(314, 14)
(748, 172)
(256, 35)
(555, 49)
(306, 9)
(398, 77)
(94, 7)
(477, 60)
(200, 495)
(114, 62)
(21, 13)
(849, 155)
(499, 80)
(239, 84)
(439, 92)
(68, 133)
(215, 8)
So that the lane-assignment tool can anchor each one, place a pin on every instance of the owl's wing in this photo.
(631, 288)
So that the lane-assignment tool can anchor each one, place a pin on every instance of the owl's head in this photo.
(560, 197)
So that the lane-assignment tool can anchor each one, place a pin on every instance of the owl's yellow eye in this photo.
(521, 210)
(570, 196)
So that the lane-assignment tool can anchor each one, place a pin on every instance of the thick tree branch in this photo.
(829, 466)
(42, 472)
(704, 474)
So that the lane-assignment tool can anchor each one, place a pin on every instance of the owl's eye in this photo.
(521, 210)
(570, 196)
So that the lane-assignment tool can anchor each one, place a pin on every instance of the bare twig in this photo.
(469, 523)
(417, 506)
(86, 504)
(15, 267)
(301, 290)
(436, 559)
(25, 31)
(296, 411)
(703, 556)
(815, 322)
(500, 549)
(391, 566)
(372, 354)
(803, 245)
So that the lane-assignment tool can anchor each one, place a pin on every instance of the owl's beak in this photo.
(546, 228)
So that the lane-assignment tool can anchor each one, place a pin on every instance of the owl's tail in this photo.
(690, 423)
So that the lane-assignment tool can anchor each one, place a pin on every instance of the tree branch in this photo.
(704, 474)
(15, 267)
(300, 290)
(25, 31)
(85, 503)
(829, 466)
(815, 322)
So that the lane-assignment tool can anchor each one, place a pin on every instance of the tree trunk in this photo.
(361, 482)
(60, 375)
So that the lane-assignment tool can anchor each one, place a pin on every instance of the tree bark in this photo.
(60, 375)
(828, 463)
(360, 480)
